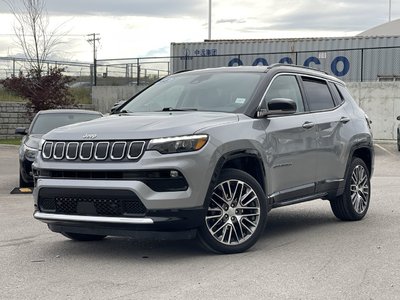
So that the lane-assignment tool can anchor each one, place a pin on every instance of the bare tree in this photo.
(33, 33)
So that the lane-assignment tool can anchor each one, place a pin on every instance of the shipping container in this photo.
(356, 58)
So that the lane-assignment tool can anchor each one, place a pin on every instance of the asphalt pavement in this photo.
(305, 253)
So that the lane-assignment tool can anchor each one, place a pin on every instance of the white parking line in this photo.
(384, 149)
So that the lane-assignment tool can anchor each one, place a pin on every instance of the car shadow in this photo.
(282, 224)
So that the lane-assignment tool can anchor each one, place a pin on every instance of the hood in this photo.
(33, 140)
(142, 125)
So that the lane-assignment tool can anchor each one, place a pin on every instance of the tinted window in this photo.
(318, 95)
(285, 86)
(226, 92)
(46, 122)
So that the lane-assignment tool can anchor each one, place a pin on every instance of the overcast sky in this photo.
(139, 28)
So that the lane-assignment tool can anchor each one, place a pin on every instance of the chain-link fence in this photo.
(351, 65)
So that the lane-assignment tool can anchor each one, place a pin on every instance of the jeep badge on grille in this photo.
(90, 136)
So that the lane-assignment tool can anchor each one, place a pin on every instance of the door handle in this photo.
(344, 120)
(308, 125)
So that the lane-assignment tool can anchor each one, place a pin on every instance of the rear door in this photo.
(333, 131)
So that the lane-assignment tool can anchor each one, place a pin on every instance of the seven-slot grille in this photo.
(99, 150)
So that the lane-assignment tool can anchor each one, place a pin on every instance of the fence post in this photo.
(296, 57)
(95, 72)
(138, 71)
(362, 65)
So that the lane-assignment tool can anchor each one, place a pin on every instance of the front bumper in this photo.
(185, 220)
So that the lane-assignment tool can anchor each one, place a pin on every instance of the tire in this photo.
(353, 204)
(236, 213)
(83, 237)
(23, 183)
(398, 139)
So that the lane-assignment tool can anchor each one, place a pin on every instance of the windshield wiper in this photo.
(178, 109)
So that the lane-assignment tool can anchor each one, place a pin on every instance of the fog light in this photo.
(173, 173)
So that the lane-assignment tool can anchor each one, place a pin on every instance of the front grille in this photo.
(90, 202)
(93, 151)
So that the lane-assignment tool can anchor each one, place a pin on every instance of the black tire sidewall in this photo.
(209, 240)
(347, 193)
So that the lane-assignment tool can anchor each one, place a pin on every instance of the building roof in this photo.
(387, 29)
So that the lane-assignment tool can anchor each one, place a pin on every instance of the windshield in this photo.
(46, 122)
(225, 92)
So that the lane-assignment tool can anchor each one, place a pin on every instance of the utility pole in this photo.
(209, 19)
(93, 40)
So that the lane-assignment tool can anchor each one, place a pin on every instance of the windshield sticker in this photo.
(240, 100)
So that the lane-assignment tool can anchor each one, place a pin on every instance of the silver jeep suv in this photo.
(208, 153)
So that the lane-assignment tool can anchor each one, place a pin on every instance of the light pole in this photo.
(390, 10)
(209, 19)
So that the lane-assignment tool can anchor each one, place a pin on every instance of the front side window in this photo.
(285, 86)
(318, 95)
(214, 91)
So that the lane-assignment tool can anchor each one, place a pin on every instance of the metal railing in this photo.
(353, 64)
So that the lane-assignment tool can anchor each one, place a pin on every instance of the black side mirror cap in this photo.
(398, 118)
(21, 130)
(278, 106)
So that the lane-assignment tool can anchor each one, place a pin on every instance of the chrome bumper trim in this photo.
(57, 217)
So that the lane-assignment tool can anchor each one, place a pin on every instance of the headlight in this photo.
(178, 144)
(30, 153)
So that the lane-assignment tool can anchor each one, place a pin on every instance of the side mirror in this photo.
(278, 106)
(398, 118)
(21, 130)
(115, 108)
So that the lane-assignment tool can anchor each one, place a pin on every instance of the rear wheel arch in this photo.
(365, 154)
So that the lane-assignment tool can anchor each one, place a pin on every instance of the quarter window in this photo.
(318, 95)
(285, 86)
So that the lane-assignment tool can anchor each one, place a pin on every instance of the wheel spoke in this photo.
(233, 224)
(359, 189)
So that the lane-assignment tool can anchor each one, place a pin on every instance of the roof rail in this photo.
(297, 66)
(182, 71)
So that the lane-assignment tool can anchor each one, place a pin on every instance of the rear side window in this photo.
(318, 95)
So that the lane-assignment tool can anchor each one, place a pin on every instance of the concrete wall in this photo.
(12, 115)
(104, 97)
(381, 102)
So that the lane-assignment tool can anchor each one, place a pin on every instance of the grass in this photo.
(8, 97)
(15, 141)
(81, 95)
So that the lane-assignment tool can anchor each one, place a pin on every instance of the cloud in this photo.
(160, 8)
(237, 21)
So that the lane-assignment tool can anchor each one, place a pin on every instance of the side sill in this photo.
(299, 200)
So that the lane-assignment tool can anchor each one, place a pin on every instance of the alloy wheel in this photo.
(359, 189)
(233, 214)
